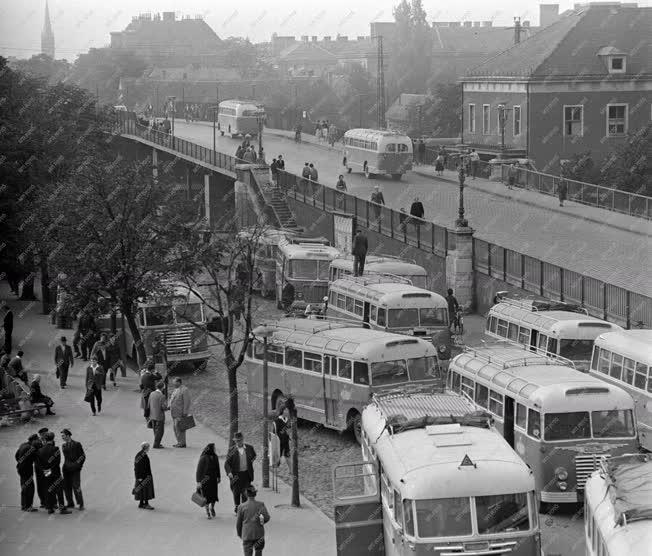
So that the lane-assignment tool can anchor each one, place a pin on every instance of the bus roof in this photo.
(635, 344)
(232, 103)
(347, 340)
(543, 381)
(375, 134)
(382, 264)
(620, 497)
(308, 251)
(389, 293)
(428, 461)
(178, 290)
(271, 236)
(555, 322)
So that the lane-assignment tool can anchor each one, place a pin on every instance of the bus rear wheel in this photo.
(397, 177)
(354, 424)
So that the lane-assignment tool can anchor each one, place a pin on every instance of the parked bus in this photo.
(333, 368)
(383, 265)
(624, 358)
(618, 507)
(436, 479)
(377, 152)
(554, 333)
(239, 117)
(394, 306)
(304, 262)
(561, 421)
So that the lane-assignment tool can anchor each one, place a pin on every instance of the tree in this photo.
(441, 113)
(42, 66)
(628, 168)
(581, 167)
(241, 54)
(292, 410)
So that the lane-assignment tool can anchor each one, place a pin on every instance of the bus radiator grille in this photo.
(585, 465)
(179, 340)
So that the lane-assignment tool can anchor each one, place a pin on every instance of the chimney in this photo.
(468, 24)
(314, 39)
(454, 24)
(487, 24)
(548, 13)
(327, 39)
(517, 30)
(342, 38)
(304, 38)
(476, 24)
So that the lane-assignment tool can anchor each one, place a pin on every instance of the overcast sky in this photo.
(81, 24)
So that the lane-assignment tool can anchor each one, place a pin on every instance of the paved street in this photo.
(614, 255)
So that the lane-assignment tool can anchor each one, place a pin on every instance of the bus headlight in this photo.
(561, 474)
(562, 485)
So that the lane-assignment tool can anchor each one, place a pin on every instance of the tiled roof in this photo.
(475, 39)
(306, 52)
(182, 32)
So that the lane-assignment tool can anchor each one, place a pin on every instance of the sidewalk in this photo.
(112, 524)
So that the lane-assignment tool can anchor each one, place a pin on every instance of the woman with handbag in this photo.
(143, 490)
(208, 477)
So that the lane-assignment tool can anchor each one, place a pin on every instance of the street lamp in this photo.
(502, 119)
(174, 109)
(260, 117)
(263, 331)
(461, 222)
(214, 122)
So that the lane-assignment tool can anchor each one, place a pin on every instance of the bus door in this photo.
(508, 424)
(358, 510)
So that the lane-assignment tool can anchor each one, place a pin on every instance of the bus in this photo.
(618, 507)
(239, 117)
(624, 358)
(393, 306)
(560, 421)
(332, 368)
(566, 334)
(436, 478)
(304, 262)
(383, 265)
(179, 320)
(377, 152)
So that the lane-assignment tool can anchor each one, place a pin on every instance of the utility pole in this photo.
(380, 85)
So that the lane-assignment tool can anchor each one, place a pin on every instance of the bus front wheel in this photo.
(354, 424)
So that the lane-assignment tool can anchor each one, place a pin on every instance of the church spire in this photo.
(47, 36)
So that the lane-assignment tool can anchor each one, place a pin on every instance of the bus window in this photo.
(398, 508)
(616, 366)
(341, 301)
(402, 148)
(358, 307)
(360, 373)
(188, 312)
(542, 342)
(433, 317)
(456, 382)
(372, 316)
(482, 395)
(521, 416)
(344, 368)
(534, 423)
(496, 403)
(303, 270)
(327, 364)
(567, 426)
(552, 345)
(594, 360)
(612, 424)
(381, 317)
(158, 316)
(501, 328)
(443, 517)
(641, 376)
(349, 304)
(576, 350)
(524, 336)
(390, 148)
(141, 317)
(604, 361)
(467, 387)
(512, 332)
(386, 491)
(389, 372)
(333, 299)
(408, 517)
(293, 357)
(502, 513)
(403, 318)
(491, 324)
(423, 368)
(312, 362)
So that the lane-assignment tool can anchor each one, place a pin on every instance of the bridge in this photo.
(522, 239)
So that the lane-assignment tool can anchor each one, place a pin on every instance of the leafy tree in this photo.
(241, 54)
(43, 67)
(581, 167)
(628, 168)
(443, 109)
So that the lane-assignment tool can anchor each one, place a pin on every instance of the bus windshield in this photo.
(576, 350)
(575, 425)
(403, 318)
(502, 513)
(400, 370)
(433, 317)
(309, 269)
(188, 312)
(612, 423)
(159, 315)
(443, 517)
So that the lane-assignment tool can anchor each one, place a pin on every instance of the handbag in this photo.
(198, 499)
(186, 422)
(150, 425)
(89, 395)
(56, 372)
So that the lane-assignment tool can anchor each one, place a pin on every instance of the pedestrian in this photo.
(378, 199)
(340, 188)
(73, 461)
(253, 153)
(99, 351)
(113, 359)
(157, 407)
(8, 327)
(562, 191)
(453, 306)
(359, 251)
(402, 219)
(36, 396)
(474, 158)
(439, 164)
(250, 524)
(305, 174)
(274, 169)
(49, 460)
(25, 459)
(95, 378)
(143, 490)
(147, 386)
(208, 476)
(280, 162)
(282, 430)
(86, 329)
(287, 296)
(421, 147)
(248, 156)
(416, 210)
(239, 467)
(239, 152)
(64, 360)
(180, 402)
(314, 175)
(15, 367)
(511, 176)
(12, 279)
(167, 126)
(38, 443)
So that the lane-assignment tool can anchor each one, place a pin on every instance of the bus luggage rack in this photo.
(378, 278)
(311, 326)
(536, 305)
(546, 358)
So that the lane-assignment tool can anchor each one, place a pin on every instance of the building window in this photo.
(573, 116)
(486, 119)
(616, 119)
(471, 118)
(617, 65)
(517, 120)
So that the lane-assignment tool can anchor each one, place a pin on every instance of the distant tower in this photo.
(47, 36)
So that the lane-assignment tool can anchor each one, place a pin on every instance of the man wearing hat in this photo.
(252, 516)
(49, 460)
(63, 359)
(74, 458)
(239, 467)
(38, 443)
(25, 456)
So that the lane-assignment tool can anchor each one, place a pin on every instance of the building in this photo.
(47, 35)
(581, 84)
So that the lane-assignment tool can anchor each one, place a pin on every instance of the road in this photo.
(613, 255)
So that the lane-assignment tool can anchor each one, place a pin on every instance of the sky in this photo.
(79, 25)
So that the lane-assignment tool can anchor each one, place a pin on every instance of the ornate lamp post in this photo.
(502, 120)
(461, 222)
(261, 118)
(265, 332)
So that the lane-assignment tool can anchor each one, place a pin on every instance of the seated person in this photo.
(36, 396)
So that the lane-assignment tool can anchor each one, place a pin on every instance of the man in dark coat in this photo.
(86, 330)
(15, 367)
(113, 359)
(74, 458)
(239, 467)
(49, 460)
(208, 477)
(38, 443)
(252, 516)
(144, 488)
(360, 246)
(25, 457)
(8, 326)
(63, 359)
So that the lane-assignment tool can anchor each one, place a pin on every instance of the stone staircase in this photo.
(274, 199)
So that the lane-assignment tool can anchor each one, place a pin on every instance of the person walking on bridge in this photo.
(416, 210)
(340, 187)
(378, 200)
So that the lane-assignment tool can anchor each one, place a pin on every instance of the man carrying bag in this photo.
(180, 412)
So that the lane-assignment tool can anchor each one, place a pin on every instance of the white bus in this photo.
(333, 368)
(554, 333)
(624, 358)
(393, 306)
(383, 265)
(436, 479)
(377, 152)
(239, 117)
(618, 508)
